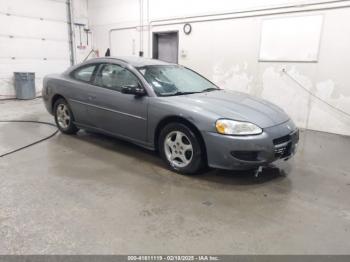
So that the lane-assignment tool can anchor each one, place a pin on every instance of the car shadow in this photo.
(244, 177)
(228, 177)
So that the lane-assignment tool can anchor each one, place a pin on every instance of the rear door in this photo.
(121, 114)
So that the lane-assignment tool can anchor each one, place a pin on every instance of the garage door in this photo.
(33, 38)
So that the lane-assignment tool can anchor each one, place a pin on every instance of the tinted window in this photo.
(115, 77)
(85, 73)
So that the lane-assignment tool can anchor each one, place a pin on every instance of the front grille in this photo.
(283, 145)
(284, 151)
(281, 140)
(245, 155)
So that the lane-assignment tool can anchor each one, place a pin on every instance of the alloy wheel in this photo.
(178, 149)
(63, 116)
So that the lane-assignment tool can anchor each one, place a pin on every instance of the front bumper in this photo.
(245, 152)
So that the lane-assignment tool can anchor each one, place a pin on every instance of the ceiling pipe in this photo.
(252, 10)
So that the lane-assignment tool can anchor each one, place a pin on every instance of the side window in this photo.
(115, 77)
(84, 74)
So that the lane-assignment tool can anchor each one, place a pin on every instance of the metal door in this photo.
(166, 46)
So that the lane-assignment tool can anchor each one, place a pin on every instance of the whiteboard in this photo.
(291, 38)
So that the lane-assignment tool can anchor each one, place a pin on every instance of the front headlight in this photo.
(232, 127)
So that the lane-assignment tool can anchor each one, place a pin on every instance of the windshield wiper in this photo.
(179, 93)
(210, 89)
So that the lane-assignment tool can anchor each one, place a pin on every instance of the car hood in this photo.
(233, 105)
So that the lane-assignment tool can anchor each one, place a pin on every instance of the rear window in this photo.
(84, 74)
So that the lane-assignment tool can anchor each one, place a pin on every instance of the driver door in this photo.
(117, 113)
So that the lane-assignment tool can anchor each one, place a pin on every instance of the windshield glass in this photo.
(175, 80)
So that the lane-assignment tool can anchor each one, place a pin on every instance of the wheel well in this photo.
(54, 99)
(177, 119)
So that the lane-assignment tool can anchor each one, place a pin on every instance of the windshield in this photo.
(175, 80)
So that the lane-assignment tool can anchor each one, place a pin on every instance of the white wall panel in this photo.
(33, 49)
(27, 27)
(33, 38)
(35, 8)
(41, 67)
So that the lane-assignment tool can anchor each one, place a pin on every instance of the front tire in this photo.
(180, 148)
(64, 117)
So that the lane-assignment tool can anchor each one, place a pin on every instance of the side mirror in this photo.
(136, 90)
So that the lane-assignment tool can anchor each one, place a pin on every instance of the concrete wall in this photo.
(225, 48)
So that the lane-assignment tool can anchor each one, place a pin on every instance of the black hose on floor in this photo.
(31, 144)
(7, 99)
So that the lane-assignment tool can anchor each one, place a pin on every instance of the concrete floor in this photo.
(89, 194)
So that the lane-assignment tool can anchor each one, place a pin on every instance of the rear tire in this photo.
(180, 148)
(64, 117)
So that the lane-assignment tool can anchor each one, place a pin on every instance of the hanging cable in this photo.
(313, 95)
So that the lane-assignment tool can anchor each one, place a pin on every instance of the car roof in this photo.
(134, 61)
